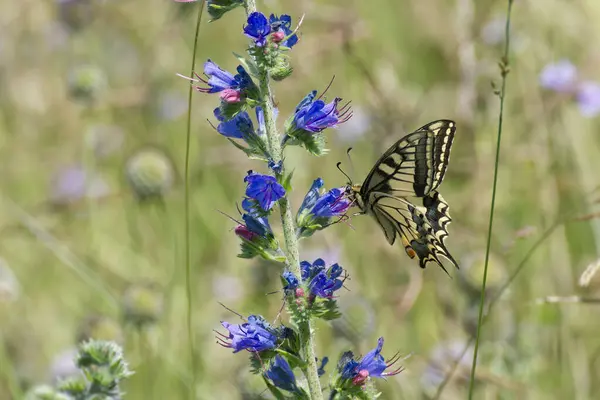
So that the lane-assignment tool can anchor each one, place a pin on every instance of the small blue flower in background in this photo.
(588, 98)
(257, 28)
(560, 76)
(254, 335)
(314, 115)
(371, 365)
(317, 209)
(282, 28)
(281, 374)
(264, 189)
(322, 281)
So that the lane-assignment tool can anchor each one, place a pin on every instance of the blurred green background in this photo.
(89, 96)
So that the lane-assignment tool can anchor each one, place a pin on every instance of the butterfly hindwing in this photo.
(420, 236)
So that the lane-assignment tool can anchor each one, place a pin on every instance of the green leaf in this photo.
(250, 67)
(326, 309)
(287, 183)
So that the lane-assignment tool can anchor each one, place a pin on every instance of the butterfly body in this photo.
(413, 167)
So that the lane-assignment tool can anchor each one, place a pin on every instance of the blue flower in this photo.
(331, 204)
(283, 24)
(560, 76)
(314, 115)
(253, 335)
(237, 127)
(264, 189)
(232, 87)
(371, 365)
(321, 281)
(254, 221)
(312, 195)
(321, 369)
(588, 98)
(325, 283)
(258, 28)
(317, 209)
(281, 374)
(291, 279)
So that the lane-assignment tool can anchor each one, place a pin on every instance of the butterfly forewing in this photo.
(413, 167)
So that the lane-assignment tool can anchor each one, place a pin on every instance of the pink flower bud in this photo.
(245, 233)
(230, 96)
(361, 377)
(277, 37)
(299, 292)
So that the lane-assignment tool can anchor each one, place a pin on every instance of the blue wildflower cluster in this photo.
(246, 116)
(320, 207)
(562, 77)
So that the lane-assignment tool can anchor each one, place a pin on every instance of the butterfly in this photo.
(414, 167)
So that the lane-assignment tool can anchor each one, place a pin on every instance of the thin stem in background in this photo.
(504, 73)
(188, 269)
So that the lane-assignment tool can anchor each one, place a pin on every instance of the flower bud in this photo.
(282, 68)
(150, 173)
(230, 96)
(277, 37)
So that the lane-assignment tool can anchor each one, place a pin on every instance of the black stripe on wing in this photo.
(414, 165)
(422, 229)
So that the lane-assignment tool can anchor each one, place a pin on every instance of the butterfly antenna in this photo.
(342, 171)
(352, 171)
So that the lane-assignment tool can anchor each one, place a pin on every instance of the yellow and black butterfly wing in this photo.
(420, 236)
(414, 165)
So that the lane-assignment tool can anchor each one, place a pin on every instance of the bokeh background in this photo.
(92, 119)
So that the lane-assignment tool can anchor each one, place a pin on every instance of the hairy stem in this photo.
(291, 239)
(289, 228)
(188, 269)
(504, 73)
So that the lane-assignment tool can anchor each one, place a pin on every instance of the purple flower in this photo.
(237, 127)
(231, 86)
(560, 76)
(371, 365)
(254, 335)
(317, 209)
(255, 223)
(322, 282)
(588, 98)
(282, 26)
(331, 204)
(258, 28)
(264, 189)
(315, 115)
(312, 195)
(281, 374)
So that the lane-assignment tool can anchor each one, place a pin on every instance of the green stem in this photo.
(504, 73)
(291, 239)
(289, 228)
(188, 269)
